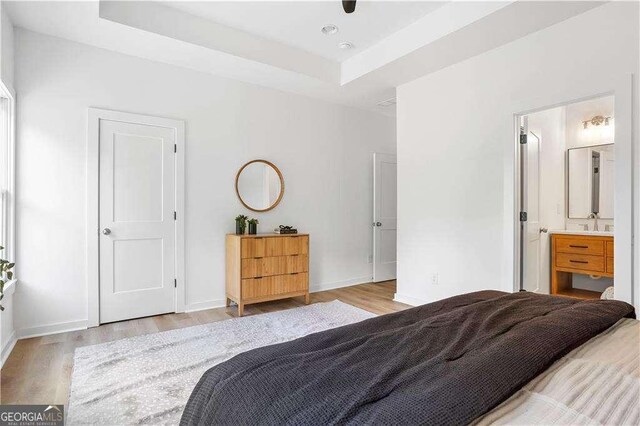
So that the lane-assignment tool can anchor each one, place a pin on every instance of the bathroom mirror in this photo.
(591, 171)
(259, 185)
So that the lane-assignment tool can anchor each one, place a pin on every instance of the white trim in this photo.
(11, 184)
(10, 288)
(45, 330)
(8, 347)
(314, 288)
(209, 304)
(625, 221)
(93, 191)
(409, 300)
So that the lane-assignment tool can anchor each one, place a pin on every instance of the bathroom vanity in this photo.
(588, 253)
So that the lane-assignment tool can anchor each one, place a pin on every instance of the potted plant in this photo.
(241, 224)
(6, 275)
(253, 226)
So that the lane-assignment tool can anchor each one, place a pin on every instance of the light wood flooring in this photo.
(38, 371)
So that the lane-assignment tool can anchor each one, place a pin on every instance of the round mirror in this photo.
(259, 185)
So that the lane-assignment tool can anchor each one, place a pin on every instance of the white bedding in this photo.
(597, 383)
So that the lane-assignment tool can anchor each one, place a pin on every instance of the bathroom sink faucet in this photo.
(594, 216)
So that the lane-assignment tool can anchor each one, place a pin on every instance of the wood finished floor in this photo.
(38, 371)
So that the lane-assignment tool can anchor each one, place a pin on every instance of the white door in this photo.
(533, 250)
(384, 216)
(137, 226)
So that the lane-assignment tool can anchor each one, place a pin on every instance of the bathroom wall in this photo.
(578, 136)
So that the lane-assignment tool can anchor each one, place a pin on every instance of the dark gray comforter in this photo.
(445, 363)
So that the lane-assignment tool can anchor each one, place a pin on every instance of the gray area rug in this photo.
(148, 379)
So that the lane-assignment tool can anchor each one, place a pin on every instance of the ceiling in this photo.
(299, 23)
(279, 45)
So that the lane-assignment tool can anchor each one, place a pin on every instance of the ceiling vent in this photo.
(387, 103)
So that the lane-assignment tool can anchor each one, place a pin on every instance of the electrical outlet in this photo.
(370, 258)
(434, 278)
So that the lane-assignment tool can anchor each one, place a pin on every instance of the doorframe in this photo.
(93, 203)
(626, 185)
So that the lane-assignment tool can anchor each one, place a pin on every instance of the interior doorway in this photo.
(135, 208)
(385, 218)
(565, 198)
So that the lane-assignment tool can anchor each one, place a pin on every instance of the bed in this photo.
(484, 357)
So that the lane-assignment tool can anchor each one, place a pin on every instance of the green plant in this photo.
(6, 275)
(253, 221)
(241, 222)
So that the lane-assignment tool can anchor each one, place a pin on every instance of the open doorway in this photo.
(565, 199)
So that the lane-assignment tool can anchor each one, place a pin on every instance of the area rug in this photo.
(148, 379)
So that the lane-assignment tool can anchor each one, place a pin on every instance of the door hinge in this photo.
(175, 215)
(523, 216)
(175, 282)
(175, 147)
(523, 139)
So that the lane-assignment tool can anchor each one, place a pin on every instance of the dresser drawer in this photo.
(274, 246)
(583, 262)
(253, 288)
(279, 265)
(610, 265)
(579, 246)
(610, 248)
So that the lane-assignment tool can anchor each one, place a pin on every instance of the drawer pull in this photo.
(294, 273)
(257, 278)
(584, 247)
(578, 261)
(258, 257)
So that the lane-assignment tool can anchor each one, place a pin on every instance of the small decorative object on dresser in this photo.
(282, 229)
(253, 226)
(266, 267)
(241, 224)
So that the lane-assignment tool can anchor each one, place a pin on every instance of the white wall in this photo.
(456, 142)
(323, 150)
(6, 46)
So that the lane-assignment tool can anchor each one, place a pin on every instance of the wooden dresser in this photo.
(579, 254)
(266, 267)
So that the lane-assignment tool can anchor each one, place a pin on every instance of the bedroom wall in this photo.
(455, 147)
(323, 150)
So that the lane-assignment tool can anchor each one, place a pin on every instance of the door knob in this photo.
(378, 224)
(543, 230)
(106, 231)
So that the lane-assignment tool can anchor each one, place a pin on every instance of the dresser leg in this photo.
(307, 299)
(240, 309)
(228, 302)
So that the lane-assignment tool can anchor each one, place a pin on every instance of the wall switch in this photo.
(370, 258)
(434, 278)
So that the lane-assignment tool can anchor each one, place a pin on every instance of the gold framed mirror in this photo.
(259, 185)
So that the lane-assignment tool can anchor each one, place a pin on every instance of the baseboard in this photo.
(44, 330)
(201, 306)
(409, 300)
(8, 347)
(313, 288)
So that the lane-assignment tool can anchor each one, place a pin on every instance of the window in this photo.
(7, 189)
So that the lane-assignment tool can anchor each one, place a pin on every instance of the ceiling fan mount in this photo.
(349, 5)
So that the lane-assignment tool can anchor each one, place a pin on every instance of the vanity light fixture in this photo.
(329, 29)
(345, 45)
(598, 120)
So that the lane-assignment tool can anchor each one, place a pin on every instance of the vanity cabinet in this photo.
(266, 267)
(579, 254)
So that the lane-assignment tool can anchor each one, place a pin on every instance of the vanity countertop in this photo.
(578, 232)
